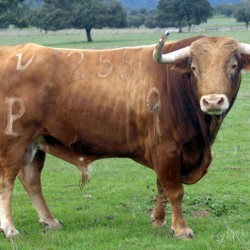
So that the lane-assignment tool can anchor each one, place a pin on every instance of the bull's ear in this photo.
(245, 59)
(182, 65)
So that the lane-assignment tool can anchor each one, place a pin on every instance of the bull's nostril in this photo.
(221, 101)
(205, 102)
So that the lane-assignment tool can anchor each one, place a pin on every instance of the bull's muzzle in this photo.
(214, 104)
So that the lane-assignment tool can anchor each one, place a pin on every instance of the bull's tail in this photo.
(85, 176)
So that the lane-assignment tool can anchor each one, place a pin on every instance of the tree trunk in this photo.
(247, 24)
(189, 27)
(89, 38)
(179, 26)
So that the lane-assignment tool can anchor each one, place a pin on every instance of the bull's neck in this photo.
(214, 127)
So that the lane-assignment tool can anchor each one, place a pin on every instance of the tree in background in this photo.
(179, 13)
(225, 9)
(12, 12)
(197, 12)
(151, 20)
(171, 13)
(141, 17)
(51, 15)
(78, 14)
(242, 12)
(89, 14)
(136, 17)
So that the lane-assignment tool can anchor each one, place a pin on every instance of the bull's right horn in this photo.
(244, 48)
(170, 57)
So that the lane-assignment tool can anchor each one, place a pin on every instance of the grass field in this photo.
(112, 38)
(112, 211)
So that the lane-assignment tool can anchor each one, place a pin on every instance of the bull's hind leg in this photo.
(10, 162)
(6, 188)
(30, 176)
(158, 214)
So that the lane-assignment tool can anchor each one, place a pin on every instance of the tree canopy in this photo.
(179, 13)
(89, 14)
(242, 12)
(12, 12)
(79, 14)
(225, 9)
(51, 15)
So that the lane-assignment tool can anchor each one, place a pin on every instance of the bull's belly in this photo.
(98, 134)
(91, 149)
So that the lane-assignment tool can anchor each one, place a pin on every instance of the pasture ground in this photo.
(112, 211)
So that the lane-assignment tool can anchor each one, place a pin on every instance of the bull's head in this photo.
(215, 64)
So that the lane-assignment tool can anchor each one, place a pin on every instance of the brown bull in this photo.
(84, 105)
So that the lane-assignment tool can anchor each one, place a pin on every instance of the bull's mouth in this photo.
(215, 112)
(214, 104)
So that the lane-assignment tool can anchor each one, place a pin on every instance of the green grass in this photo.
(122, 192)
(220, 21)
(107, 38)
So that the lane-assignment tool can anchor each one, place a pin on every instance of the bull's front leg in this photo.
(173, 192)
(171, 189)
(179, 227)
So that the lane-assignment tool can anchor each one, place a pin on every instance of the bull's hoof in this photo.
(156, 223)
(12, 233)
(51, 223)
(184, 234)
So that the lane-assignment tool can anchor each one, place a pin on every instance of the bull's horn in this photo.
(170, 57)
(244, 48)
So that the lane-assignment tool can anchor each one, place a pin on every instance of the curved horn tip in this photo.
(167, 33)
(157, 53)
(164, 36)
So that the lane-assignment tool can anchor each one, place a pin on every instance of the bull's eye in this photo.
(193, 68)
(234, 66)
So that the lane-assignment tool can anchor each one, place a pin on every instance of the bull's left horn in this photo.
(244, 48)
(170, 57)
